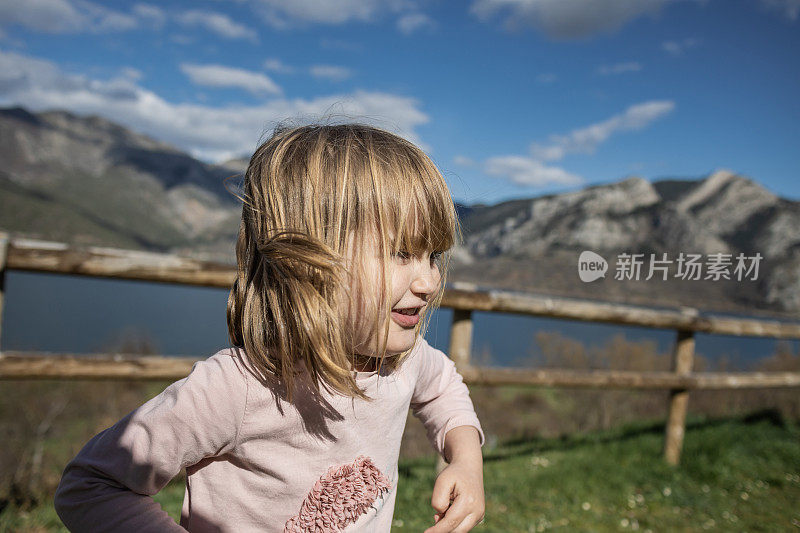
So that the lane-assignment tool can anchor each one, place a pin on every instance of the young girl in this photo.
(297, 426)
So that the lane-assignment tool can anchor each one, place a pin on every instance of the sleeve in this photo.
(109, 484)
(441, 399)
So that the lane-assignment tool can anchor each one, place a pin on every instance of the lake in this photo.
(74, 314)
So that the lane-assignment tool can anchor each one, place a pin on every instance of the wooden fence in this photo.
(40, 256)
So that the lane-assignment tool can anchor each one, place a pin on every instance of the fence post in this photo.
(682, 362)
(460, 349)
(461, 337)
(3, 257)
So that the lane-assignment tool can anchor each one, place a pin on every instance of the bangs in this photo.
(417, 210)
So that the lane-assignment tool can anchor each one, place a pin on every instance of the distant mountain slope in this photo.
(123, 187)
(87, 180)
(534, 244)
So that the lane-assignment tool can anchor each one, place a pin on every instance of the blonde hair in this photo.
(315, 198)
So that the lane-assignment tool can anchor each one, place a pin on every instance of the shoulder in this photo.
(231, 360)
(228, 364)
(222, 376)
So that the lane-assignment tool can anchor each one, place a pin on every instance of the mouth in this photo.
(407, 317)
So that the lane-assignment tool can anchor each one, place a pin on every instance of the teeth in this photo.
(407, 311)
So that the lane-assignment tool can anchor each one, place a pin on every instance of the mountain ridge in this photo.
(88, 180)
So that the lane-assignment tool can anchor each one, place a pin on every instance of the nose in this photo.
(426, 280)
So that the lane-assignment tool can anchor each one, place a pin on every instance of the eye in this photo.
(402, 256)
(436, 257)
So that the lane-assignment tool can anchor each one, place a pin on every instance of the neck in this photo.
(363, 363)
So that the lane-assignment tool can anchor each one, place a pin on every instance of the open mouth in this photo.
(407, 317)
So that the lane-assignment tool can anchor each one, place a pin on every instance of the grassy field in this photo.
(737, 474)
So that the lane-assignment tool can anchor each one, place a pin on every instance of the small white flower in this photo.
(744, 496)
(586, 506)
(544, 462)
(705, 488)
(397, 523)
(624, 522)
(667, 491)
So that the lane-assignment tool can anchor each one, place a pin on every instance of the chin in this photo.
(400, 342)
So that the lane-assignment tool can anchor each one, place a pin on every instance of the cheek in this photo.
(363, 307)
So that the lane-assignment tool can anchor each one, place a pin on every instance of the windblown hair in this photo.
(316, 199)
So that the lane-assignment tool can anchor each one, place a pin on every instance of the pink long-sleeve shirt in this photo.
(255, 462)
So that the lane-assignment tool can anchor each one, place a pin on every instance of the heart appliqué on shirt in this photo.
(340, 497)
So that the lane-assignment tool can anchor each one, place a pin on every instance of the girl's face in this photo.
(413, 280)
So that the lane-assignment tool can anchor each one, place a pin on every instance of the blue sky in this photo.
(512, 98)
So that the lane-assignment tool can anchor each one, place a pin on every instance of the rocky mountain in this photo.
(89, 181)
(535, 243)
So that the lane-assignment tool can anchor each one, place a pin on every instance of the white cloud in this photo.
(566, 19)
(587, 139)
(281, 14)
(412, 22)
(677, 48)
(619, 68)
(533, 170)
(107, 20)
(528, 171)
(330, 72)
(223, 76)
(151, 14)
(276, 65)
(63, 16)
(463, 161)
(546, 77)
(131, 73)
(789, 8)
(211, 133)
(217, 23)
(47, 16)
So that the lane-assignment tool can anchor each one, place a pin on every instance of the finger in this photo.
(442, 494)
(451, 519)
(470, 522)
(467, 524)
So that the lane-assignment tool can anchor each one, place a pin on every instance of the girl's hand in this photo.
(458, 497)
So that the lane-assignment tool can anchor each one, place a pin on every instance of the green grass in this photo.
(735, 474)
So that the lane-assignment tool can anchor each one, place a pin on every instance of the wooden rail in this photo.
(60, 258)
(41, 256)
(43, 365)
